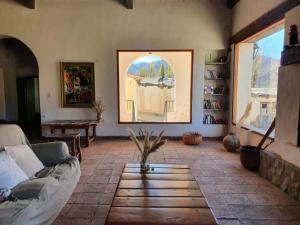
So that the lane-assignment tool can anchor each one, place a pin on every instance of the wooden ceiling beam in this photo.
(30, 4)
(129, 4)
(231, 3)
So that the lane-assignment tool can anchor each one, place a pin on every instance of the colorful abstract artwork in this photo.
(78, 88)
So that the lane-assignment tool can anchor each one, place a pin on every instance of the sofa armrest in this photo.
(51, 153)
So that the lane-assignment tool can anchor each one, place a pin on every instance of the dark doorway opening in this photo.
(298, 142)
(28, 106)
(19, 69)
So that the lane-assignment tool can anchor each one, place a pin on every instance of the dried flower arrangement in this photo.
(98, 107)
(146, 146)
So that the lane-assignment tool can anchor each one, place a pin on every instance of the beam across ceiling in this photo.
(29, 3)
(231, 3)
(129, 4)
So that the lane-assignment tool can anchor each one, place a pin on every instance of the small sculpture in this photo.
(293, 35)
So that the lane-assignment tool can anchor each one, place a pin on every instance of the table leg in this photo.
(78, 154)
(73, 147)
(87, 141)
(94, 131)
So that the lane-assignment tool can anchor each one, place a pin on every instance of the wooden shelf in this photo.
(215, 124)
(215, 109)
(215, 94)
(216, 63)
(215, 79)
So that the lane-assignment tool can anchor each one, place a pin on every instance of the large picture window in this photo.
(155, 86)
(255, 77)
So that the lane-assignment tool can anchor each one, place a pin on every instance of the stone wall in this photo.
(281, 173)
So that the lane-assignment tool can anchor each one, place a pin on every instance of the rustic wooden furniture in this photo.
(167, 195)
(63, 125)
(73, 139)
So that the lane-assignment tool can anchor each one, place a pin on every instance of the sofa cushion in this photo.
(25, 158)
(10, 173)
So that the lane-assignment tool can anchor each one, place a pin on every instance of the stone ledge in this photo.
(281, 173)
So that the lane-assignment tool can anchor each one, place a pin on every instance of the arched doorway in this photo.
(150, 89)
(19, 95)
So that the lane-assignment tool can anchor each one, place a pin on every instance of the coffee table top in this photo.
(167, 195)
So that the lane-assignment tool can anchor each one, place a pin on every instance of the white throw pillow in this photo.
(25, 158)
(10, 173)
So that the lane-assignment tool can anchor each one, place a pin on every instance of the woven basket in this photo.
(191, 138)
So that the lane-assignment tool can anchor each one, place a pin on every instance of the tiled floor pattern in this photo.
(236, 196)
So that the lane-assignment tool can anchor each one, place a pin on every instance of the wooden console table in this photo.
(63, 125)
(167, 195)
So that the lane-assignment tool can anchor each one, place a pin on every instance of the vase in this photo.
(99, 117)
(250, 157)
(231, 142)
(145, 167)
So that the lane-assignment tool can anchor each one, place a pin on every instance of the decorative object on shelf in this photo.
(223, 59)
(213, 104)
(192, 138)
(146, 146)
(291, 53)
(98, 107)
(231, 142)
(77, 84)
(293, 35)
(208, 90)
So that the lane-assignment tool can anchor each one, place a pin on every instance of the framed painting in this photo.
(77, 84)
(155, 86)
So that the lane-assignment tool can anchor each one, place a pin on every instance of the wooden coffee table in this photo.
(165, 196)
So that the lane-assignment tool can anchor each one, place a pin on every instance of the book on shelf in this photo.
(211, 119)
(219, 90)
(214, 74)
(212, 104)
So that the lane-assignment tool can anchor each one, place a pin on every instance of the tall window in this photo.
(256, 74)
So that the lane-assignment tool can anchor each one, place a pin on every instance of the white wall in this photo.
(92, 30)
(247, 11)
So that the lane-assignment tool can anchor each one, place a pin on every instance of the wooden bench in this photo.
(73, 139)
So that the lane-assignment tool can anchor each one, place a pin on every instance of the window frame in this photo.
(264, 31)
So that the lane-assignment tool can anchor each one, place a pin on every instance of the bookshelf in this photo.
(216, 88)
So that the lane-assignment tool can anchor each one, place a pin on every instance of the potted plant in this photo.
(146, 146)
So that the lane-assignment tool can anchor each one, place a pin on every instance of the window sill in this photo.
(271, 137)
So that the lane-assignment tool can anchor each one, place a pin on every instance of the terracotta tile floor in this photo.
(236, 196)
